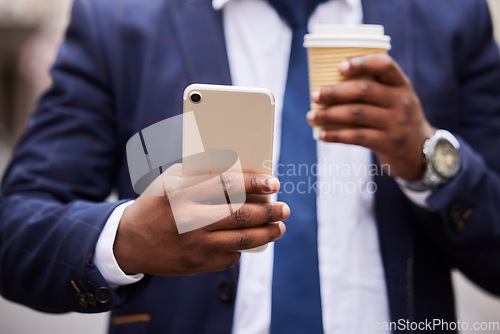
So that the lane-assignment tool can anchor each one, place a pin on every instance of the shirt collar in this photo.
(352, 3)
(219, 4)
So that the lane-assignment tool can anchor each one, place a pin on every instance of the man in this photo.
(124, 66)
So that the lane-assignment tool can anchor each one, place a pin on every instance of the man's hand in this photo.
(148, 240)
(383, 114)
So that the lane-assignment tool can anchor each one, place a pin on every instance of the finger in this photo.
(356, 115)
(370, 138)
(189, 216)
(250, 215)
(355, 91)
(245, 238)
(226, 184)
(381, 66)
(174, 178)
(171, 180)
(261, 184)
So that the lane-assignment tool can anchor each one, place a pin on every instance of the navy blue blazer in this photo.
(124, 66)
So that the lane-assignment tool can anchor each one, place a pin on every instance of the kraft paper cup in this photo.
(329, 45)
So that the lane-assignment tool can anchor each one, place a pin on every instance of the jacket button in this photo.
(102, 295)
(458, 217)
(226, 292)
(80, 298)
(90, 299)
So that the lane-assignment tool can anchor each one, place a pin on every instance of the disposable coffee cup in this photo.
(328, 45)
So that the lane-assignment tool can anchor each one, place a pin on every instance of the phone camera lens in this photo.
(195, 97)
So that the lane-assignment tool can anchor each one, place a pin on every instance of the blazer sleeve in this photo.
(52, 207)
(469, 206)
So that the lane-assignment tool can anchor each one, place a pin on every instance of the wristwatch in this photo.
(443, 159)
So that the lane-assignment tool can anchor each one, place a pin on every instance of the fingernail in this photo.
(344, 66)
(310, 116)
(356, 61)
(272, 184)
(315, 96)
(282, 228)
(322, 135)
(285, 211)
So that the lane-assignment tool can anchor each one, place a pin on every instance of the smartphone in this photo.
(232, 118)
(240, 119)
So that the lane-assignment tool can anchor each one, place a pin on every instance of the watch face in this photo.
(446, 159)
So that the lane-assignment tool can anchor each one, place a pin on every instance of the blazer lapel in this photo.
(395, 234)
(395, 16)
(200, 35)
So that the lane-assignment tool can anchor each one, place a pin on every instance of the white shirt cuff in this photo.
(418, 197)
(104, 257)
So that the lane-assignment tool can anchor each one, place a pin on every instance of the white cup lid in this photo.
(345, 35)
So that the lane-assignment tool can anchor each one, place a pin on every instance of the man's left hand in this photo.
(383, 114)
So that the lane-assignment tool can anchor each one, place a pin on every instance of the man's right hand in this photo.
(148, 240)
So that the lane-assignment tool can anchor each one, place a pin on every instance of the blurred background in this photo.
(30, 32)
